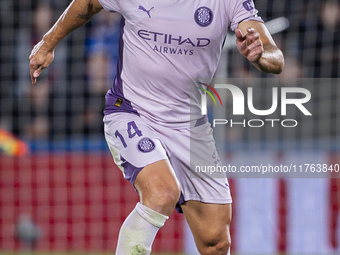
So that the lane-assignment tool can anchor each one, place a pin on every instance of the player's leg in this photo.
(207, 195)
(140, 153)
(209, 224)
(158, 187)
(159, 192)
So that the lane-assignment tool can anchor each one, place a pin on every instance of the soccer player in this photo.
(153, 122)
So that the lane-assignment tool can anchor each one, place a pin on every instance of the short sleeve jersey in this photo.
(167, 48)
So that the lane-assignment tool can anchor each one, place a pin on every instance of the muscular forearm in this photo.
(76, 15)
(271, 61)
(254, 42)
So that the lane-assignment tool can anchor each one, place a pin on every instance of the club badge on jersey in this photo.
(146, 145)
(203, 16)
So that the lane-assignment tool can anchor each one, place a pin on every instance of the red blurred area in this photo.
(78, 201)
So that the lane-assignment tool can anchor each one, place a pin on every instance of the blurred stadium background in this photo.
(59, 189)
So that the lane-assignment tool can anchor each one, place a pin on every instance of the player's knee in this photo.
(169, 196)
(163, 198)
(215, 242)
(215, 248)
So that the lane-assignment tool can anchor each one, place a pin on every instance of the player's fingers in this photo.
(34, 64)
(239, 35)
(256, 52)
(252, 38)
(35, 71)
(33, 67)
(240, 41)
(33, 80)
(34, 76)
(254, 45)
(250, 30)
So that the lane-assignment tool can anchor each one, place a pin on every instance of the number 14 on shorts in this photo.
(132, 131)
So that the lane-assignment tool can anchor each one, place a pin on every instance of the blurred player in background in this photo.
(153, 118)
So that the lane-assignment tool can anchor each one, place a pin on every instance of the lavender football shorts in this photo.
(136, 142)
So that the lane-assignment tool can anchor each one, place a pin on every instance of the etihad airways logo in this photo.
(173, 39)
(173, 44)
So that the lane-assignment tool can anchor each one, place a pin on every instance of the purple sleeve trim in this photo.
(235, 25)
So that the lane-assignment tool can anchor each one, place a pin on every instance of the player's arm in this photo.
(77, 14)
(254, 41)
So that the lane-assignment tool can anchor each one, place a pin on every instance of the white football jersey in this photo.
(167, 49)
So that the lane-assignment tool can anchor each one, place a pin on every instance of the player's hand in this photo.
(249, 45)
(40, 58)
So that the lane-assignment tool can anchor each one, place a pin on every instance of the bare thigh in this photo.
(158, 187)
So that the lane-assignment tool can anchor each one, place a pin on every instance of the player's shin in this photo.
(139, 230)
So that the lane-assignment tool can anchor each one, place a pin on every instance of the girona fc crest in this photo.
(146, 145)
(203, 16)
